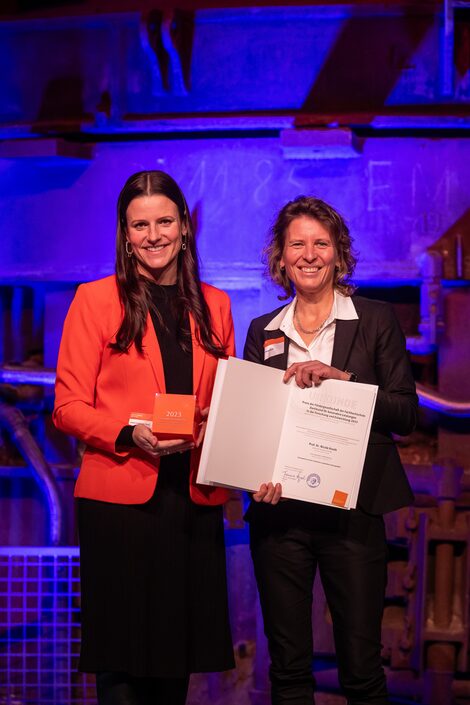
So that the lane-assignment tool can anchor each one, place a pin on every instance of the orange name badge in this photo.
(174, 416)
(137, 417)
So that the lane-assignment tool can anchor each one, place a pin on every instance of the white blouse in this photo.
(321, 347)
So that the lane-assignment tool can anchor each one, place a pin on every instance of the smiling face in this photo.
(309, 256)
(154, 231)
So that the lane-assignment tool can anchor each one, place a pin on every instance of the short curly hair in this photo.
(331, 220)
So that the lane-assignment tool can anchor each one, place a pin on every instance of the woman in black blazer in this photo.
(325, 333)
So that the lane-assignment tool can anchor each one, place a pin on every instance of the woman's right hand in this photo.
(268, 493)
(147, 441)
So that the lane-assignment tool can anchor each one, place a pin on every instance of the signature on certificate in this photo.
(293, 475)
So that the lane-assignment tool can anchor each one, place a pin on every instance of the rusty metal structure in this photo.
(364, 103)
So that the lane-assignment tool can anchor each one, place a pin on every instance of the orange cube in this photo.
(175, 416)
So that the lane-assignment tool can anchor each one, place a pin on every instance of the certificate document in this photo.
(313, 441)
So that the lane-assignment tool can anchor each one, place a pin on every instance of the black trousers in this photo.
(350, 551)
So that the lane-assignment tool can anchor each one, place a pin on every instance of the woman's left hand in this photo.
(148, 441)
(202, 426)
(313, 372)
(269, 493)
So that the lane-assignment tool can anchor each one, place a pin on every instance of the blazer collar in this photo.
(343, 309)
(344, 337)
(153, 354)
(347, 320)
(275, 323)
(199, 355)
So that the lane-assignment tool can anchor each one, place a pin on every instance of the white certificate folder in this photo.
(313, 441)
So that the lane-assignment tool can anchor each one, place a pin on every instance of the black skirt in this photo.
(153, 583)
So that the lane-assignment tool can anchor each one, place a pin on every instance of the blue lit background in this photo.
(367, 108)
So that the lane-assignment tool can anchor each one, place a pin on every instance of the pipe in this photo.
(46, 378)
(449, 407)
(27, 375)
(431, 307)
(419, 345)
(15, 423)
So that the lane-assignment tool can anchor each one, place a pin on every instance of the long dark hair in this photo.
(134, 290)
(332, 221)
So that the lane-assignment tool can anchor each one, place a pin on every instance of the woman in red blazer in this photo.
(154, 606)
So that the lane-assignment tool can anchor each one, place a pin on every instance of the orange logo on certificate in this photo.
(339, 498)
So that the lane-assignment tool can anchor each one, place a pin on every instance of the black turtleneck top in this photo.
(177, 364)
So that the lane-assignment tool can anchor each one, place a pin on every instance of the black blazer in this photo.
(372, 346)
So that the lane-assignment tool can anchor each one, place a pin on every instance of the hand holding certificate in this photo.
(313, 441)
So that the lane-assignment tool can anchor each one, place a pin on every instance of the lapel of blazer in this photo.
(153, 354)
(277, 361)
(199, 355)
(344, 337)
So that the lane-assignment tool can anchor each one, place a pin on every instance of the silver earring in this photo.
(183, 243)
(129, 248)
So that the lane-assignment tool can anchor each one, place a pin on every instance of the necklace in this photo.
(304, 330)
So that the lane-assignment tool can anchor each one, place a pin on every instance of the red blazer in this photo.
(97, 388)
